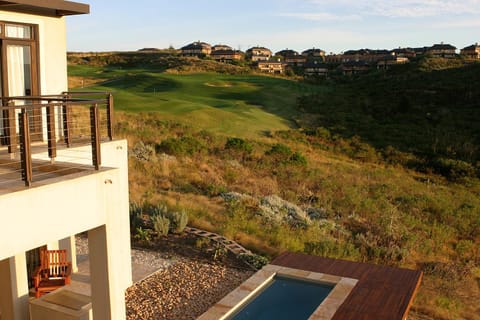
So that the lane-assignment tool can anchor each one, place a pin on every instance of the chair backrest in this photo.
(54, 262)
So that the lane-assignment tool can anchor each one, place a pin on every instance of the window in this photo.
(18, 63)
(19, 67)
(18, 31)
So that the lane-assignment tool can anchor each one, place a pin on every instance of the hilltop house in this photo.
(404, 52)
(354, 67)
(471, 52)
(316, 68)
(314, 52)
(442, 51)
(367, 55)
(196, 49)
(218, 47)
(256, 54)
(61, 172)
(292, 57)
(227, 55)
(274, 67)
(391, 60)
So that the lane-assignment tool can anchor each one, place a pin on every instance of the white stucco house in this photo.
(61, 171)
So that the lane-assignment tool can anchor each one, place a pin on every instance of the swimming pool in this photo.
(284, 298)
(239, 304)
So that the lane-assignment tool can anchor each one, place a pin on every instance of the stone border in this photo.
(326, 310)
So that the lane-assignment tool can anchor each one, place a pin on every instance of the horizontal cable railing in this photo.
(52, 125)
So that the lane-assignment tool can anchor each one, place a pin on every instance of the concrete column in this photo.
(99, 276)
(69, 245)
(14, 288)
(108, 298)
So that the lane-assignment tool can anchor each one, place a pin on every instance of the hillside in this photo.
(222, 146)
(422, 109)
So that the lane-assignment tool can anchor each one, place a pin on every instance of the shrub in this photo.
(323, 133)
(157, 210)
(298, 159)
(136, 220)
(178, 221)
(180, 146)
(453, 170)
(161, 225)
(254, 260)
(143, 235)
(143, 152)
(239, 145)
(282, 154)
(280, 150)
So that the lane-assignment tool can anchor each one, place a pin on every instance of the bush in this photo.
(453, 170)
(143, 235)
(238, 145)
(254, 260)
(180, 146)
(136, 220)
(298, 159)
(178, 221)
(280, 150)
(323, 133)
(156, 210)
(143, 152)
(161, 225)
(282, 154)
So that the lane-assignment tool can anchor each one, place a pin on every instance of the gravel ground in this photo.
(139, 256)
(183, 288)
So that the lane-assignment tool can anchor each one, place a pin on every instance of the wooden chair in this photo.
(54, 271)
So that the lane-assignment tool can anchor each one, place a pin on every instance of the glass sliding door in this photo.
(19, 72)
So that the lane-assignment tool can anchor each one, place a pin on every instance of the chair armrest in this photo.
(36, 276)
(68, 271)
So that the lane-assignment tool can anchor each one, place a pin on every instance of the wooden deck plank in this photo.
(382, 292)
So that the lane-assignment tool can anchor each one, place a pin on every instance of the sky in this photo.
(332, 25)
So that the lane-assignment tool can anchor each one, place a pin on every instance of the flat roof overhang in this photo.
(55, 8)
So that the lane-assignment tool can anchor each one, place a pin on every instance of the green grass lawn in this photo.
(240, 105)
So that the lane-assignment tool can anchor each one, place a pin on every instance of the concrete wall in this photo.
(52, 49)
(94, 201)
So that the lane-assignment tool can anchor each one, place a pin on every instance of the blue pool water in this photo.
(285, 299)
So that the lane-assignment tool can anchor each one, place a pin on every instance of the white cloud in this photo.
(426, 8)
(398, 8)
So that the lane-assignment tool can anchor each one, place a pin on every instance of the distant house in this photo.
(227, 55)
(442, 51)
(274, 67)
(286, 52)
(219, 47)
(315, 68)
(314, 52)
(368, 55)
(258, 54)
(404, 52)
(354, 67)
(196, 49)
(292, 57)
(334, 58)
(420, 50)
(391, 60)
(472, 52)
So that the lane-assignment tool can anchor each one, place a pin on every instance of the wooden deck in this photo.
(381, 293)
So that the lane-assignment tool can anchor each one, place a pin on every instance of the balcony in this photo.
(45, 137)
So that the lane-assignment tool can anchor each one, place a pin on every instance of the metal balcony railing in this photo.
(48, 124)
